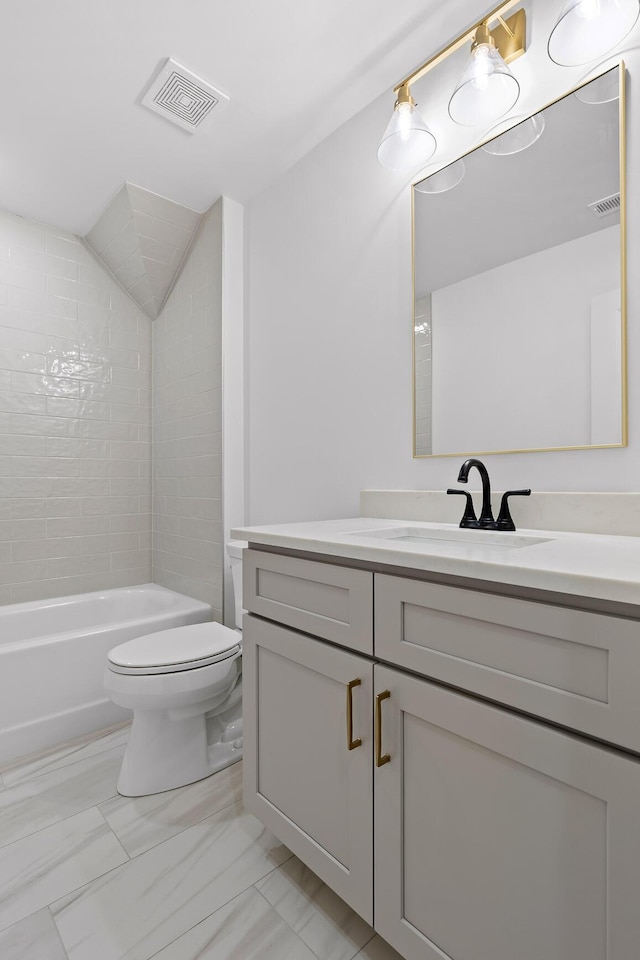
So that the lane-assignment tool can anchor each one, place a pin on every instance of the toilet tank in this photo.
(234, 552)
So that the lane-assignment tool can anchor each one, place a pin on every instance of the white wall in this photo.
(233, 386)
(500, 331)
(75, 362)
(330, 335)
(187, 425)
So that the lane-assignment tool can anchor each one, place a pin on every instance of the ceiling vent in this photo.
(179, 95)
(606, 206)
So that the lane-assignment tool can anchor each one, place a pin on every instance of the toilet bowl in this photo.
(184, 686)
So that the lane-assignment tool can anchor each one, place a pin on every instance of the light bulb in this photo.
(487, 89)
(407, 143)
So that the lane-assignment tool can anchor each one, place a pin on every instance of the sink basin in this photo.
(429, 535)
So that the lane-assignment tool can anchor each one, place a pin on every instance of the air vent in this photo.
(606, 206)
(179, 95)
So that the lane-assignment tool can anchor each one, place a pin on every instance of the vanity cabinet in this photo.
(307, 754)
(498, 838)
(493, 835)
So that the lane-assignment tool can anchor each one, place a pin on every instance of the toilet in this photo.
(184, 686)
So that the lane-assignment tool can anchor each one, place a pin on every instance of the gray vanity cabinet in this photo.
(307, 757)
(499, 838)
(461, 829)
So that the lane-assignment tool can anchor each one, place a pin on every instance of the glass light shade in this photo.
(603, 89)
(518, 138)
(486, 91)
(407, 143)
(587, 29)
(445, 179)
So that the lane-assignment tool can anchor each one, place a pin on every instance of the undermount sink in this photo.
(425, 536)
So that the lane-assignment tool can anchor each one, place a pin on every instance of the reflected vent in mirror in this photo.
(606, 206)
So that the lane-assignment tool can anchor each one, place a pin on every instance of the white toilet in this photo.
(184, 686)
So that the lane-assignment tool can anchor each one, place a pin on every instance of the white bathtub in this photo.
(53, 655)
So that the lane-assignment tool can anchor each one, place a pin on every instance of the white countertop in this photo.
(582, 564)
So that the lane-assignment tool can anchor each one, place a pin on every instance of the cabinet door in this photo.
(306, 776)
(499, 838)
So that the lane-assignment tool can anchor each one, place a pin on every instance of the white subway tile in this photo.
(76, 527)
(23, 486)
(41, 426)
(61, 307)
(128, 413)
(49, 507)
(63, 447)
(26, 362)
(44, 466)
(85, 486)
(22, 530)
(46, 549)
(27, 320)
(66, 247)
(16, 572)
(134, 522)
(77, 566)
(47, 386)
(128, 486)
(97, 506)
(19, 446)
(125, 559)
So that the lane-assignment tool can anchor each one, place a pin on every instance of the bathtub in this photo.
(53, 655)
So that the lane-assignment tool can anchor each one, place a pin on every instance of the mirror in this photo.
(519, 306)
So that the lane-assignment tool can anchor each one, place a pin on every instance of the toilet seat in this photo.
(175, 650)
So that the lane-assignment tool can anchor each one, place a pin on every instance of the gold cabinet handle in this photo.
(351, 743)
(380, 759)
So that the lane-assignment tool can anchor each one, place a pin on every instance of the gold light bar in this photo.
(509, 36)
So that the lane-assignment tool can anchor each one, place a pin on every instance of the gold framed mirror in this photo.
(519, 285)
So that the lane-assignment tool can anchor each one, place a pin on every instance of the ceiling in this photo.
(74, 72)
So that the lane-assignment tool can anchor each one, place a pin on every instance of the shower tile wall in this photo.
(187, 431)
(74, 420)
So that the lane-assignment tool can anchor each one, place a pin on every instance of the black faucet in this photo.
(486, 521)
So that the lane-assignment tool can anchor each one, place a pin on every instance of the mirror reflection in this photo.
(518, 321)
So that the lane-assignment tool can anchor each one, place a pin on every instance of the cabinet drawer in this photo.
(335, 603)
(575, 668)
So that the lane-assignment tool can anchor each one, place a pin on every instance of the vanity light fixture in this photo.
(603, 89)
(587, 29)
(517, 138)
(445, 179)
(407, 142)
(487, 89)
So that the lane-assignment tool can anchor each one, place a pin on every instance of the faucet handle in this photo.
(505, 521)
(469, 518)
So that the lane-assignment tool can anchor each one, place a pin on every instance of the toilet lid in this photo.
(179, 648)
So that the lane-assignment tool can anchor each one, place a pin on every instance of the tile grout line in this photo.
(55, 927)
(134, 856)
(204, 920)
(116, 837)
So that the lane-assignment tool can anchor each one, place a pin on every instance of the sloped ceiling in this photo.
(143, 240)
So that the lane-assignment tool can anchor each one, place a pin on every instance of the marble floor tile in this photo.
(34, 938)
(39, 802)
(320, 918)
(378, 949)
(143, 822)
(24, 768)
(245, 929)
(135, 911)
(53, 862)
